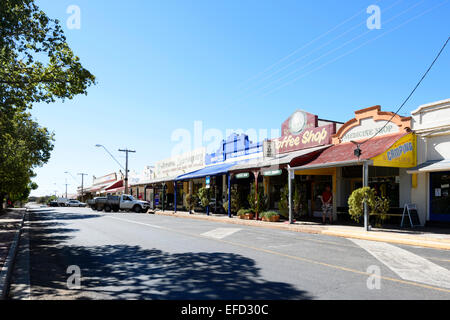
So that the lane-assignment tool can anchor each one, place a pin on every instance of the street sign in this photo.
(243, 175)
(208, 181)
(272, 173)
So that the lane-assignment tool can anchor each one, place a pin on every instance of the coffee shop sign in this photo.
(309, 138)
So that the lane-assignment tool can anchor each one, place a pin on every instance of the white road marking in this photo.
(144, 224)
(220, 233)
(407, 265)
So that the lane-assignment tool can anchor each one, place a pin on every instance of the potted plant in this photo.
(258, 203)
(190, 202)
(270, 216)
(284, 202)
(378, 206)
(245, 214)
(205, 198)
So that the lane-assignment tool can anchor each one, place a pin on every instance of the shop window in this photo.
(440, 198)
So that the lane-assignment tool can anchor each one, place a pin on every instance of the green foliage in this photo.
(283, 205)
(24, 145)
(297, 201)
(257, 203)
(243, 212)
(225, 206)
(204, 195)
(36, 65)
(376, 204)
(268, 214)
(190, 201)
(46, 199)
(236, 201)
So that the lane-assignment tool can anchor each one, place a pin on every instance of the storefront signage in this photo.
(180, 164)
(297, 122)
(368, 128)
(105, 179)
(272, 173)
(243, 175)
(401, 155)
(307, 139)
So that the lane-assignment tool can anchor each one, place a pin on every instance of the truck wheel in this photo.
(107, 209)
(116, 209)
(137, 209)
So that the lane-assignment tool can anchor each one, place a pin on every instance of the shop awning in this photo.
(207, 171)
(431, 166)
(114, 185)
(343, 154)
(99, 187)
(158, 180)
(119, 189)
(280, 159)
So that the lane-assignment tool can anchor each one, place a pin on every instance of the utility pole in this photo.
(126, 167)
(82, 185)
(66, 187)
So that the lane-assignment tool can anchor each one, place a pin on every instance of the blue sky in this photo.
(161, 65)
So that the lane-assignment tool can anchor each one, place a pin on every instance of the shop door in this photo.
(439, 196)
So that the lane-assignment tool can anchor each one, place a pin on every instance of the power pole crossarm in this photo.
(126, 166)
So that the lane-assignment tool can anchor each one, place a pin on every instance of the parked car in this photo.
(124, 202)
(75, 203)
(53, 204)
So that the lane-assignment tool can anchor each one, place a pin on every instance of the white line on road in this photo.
(407, 265)
(220, 233)
(132, 221)
(278, 253)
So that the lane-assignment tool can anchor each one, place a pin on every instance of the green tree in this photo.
(204, 196)
(25, 145)
(36, 65)
(257, 203)
(376, 205)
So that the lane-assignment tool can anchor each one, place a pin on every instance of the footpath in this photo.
(423, 237)
(11, 222)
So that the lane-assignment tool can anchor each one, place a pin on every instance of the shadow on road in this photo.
(131, 272)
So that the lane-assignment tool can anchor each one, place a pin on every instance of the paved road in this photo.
(144, 256)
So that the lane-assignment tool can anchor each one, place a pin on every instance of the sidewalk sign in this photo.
(411, 210)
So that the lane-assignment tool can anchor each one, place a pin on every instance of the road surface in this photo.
(145, 256)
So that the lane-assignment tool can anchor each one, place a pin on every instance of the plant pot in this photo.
(242, 216)
(272, 219)
(249, 216)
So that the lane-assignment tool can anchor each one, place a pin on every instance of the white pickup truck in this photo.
(115, 203)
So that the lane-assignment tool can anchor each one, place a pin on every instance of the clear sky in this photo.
(161, 65)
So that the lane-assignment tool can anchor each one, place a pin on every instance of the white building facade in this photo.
(431, 178)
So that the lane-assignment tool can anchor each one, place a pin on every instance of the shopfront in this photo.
(387, 156)
(304, 137)
(162, 190)
(431, 177)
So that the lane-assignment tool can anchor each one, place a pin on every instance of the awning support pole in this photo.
(229, 194)
(366, 184)
(175, 196)
(291, 220)
(256, 173)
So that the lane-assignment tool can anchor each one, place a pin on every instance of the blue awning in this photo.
(208, 171)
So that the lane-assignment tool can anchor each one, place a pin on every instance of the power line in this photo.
(409, 96)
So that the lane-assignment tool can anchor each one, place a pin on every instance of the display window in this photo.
(439, 196)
